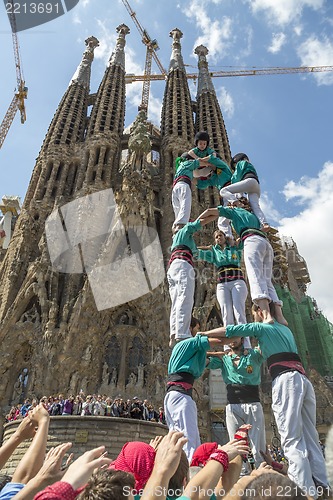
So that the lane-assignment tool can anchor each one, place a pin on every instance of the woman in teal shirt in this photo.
(231, 289)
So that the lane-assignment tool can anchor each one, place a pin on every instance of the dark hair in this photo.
(275, 482)
(256, 308)
(177, 480)
(194, 322)
(238, 157)
(201, 136)
(108, 484)
(186, 156)
(4, 479)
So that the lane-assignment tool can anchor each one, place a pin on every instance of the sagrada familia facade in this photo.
(53, 337)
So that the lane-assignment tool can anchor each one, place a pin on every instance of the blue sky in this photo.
(283, 122)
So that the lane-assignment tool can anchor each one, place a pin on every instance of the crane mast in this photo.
(22, 91)
(151, 47)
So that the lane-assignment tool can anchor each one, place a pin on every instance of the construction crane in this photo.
(151, 48)
(129, 78)
(21, 90)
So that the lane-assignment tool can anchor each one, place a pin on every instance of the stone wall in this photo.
(86, 433)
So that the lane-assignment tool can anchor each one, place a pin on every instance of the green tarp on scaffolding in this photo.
(312, 331)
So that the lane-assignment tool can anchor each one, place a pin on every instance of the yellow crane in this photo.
(152, 46)
(21, 90)
(129, 78)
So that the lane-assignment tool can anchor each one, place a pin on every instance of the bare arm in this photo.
(26, 430)
(200, 487)
(166, 462)
(34, 457)
(49, 473)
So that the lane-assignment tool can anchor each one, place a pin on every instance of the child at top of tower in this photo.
(244, 180)
(202, 150)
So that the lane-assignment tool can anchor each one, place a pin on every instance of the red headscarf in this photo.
(137, 458)
(202, 454)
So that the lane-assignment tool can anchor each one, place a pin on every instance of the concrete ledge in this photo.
(86, 433)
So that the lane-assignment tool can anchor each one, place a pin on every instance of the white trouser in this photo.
(258, 258)
(248, 413)
(181, 415)
(181, 198)
(249, 186)
(181, 280)
(231, 296)
(294, 408)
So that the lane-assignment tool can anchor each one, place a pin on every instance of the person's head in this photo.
(194, 326)
(242, 202)
(220, 238)
(270, 481)
(236, 343)
(137, 458)
(257, 312)
(177, 228)
(202, 140)
(180, 477)
(109, 484)
(235, 159)
(203, 453)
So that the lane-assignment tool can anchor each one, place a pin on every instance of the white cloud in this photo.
(226, 102)
(154, 109)
(273, 216)
(315, 52)
(216, 34)
(311, 230)
(282, 12)
(278, 40)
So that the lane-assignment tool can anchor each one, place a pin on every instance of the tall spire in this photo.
(106, 122)
(82, 74)
(176, 61)
(204, 79)
(117, 57)
(209, 115)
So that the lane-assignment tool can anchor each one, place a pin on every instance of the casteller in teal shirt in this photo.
(185, 236)
(189, 356)
(273, 338)
(247, 371)
(241, 219)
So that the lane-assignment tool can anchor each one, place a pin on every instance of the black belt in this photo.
(276, 369)
(251, 232)
(181, 252)
(242, 393)
(182, 178)
(229, 273)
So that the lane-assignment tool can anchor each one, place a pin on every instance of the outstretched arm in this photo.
(166, 462)
(34, 457)
(26, 430)
(208, 215)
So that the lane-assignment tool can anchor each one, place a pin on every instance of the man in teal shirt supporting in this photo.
(241, 373)
(293, 398)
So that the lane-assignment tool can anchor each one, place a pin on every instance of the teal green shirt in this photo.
(189, 356)
(204, 152)
(185, 236)
(239, 374)
(186, 167)
(240, 218)
(243, 167)
(219, 178)
(272, 338)
(221, 256)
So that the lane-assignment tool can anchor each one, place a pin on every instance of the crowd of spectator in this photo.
(91, 404)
